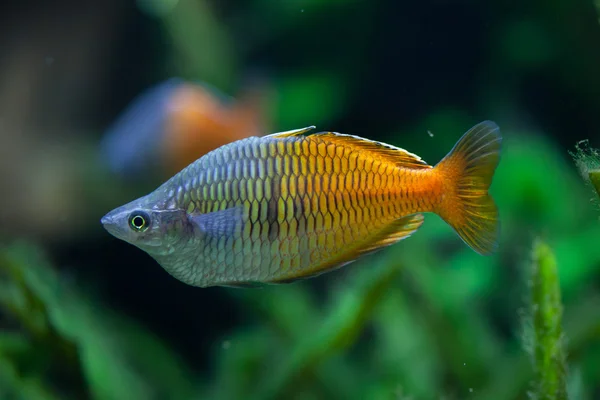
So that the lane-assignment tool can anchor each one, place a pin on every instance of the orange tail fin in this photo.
(467, 173)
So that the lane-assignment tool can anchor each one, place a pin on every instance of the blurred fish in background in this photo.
(173, 123)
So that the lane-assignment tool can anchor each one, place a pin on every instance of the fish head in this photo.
(155, 230)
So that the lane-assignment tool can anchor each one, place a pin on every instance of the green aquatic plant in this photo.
(340, 329)
(418, 319)
(587, 160)
(103, 354)
(544, 335)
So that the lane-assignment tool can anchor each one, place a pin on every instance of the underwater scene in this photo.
(299, 199)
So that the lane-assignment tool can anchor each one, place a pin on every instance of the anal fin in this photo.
(392, 233)
(398, 230)
(244, 285)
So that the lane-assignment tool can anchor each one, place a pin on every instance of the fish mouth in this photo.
(105, 220)
(110, 223)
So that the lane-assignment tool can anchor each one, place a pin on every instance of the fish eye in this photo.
(139, 221)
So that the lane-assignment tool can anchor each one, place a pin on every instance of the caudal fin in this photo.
(467, 173)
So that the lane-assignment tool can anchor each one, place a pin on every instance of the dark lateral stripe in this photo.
(272, 212)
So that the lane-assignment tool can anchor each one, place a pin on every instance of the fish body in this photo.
(293, 205)
(173, 123)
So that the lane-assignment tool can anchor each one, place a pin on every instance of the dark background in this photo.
(386, 70)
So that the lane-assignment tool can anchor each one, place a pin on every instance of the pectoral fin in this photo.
(218, 224)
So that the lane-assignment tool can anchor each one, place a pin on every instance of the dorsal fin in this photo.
(294, 132)
(387, 151)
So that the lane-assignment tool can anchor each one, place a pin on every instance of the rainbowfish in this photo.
(172, 124)
(295, 204)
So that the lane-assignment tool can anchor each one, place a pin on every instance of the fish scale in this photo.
(296, 193)
(293, 205)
